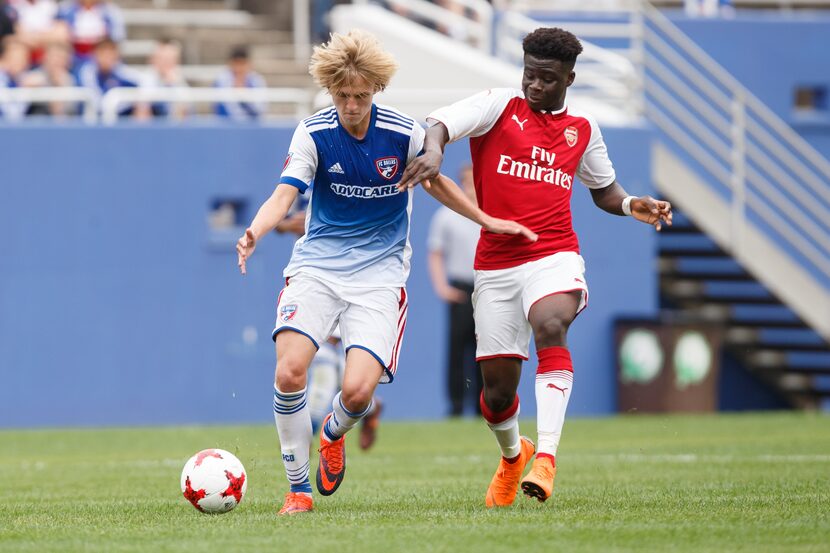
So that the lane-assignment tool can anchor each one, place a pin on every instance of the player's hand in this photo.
(651, 211)
(245, 246)
(422, 169)
(451, 294)
(503, 226)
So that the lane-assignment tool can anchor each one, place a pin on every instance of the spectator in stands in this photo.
(452, 247)
(165, 72)
(105, 72)
(13, 66)
(85, 23)
(55, 71)
(36, 25)
(240, 75)
(709, 8)
(7, 20)
(454, 29)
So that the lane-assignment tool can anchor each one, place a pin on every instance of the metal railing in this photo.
(476, 30)
(114, 99)
(774, 186)
(70, 95)
(606, 6)
(772, 177)
(105, 108)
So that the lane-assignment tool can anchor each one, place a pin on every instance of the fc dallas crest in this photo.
(387, 167)
(287, 312)
(571, 136)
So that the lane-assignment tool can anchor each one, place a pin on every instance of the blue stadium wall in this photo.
(119, 304)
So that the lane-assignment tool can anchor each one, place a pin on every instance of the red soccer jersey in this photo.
(524, 164)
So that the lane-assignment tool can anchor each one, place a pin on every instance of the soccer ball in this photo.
(214, 481)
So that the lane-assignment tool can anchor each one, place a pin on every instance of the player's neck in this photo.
(358, 131)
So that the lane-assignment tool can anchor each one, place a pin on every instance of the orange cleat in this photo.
(369, 426)
(296, 503)
(332, 467)
(505, 483)
(539, 481)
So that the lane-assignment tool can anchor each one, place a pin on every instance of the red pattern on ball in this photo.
(193, 495)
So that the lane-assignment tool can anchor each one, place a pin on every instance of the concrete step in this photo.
(684, 244)
(210, 46)
(192, 18)
(174, 4)
(702, 268)
(691, 291)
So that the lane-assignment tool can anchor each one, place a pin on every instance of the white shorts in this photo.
(502, 300)
(372, 319)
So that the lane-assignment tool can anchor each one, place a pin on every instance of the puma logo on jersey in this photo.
(336, 168)
(557, 388)
(520, 123)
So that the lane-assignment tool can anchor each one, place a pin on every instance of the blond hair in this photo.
(346, 58)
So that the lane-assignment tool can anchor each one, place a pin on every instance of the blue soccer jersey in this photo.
(357, 223)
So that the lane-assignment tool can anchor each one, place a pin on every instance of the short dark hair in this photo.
(239, 52)
(552, 43)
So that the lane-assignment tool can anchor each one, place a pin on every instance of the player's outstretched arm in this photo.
(614, 199)
(448, 193)
(270, 213)
(426, 167)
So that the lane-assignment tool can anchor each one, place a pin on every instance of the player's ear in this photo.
(571, 77)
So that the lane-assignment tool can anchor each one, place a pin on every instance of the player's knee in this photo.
(290, 375)
(551, 332)
(499, 399)
(357, 398)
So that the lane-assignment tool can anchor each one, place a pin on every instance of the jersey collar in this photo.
(562, 111)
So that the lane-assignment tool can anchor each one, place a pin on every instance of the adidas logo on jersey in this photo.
(336, 169)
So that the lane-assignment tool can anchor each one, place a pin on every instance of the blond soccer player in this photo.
(351, 265)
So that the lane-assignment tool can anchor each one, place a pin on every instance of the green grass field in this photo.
(691, 483)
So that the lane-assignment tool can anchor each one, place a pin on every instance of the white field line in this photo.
(655, 458)
(680, 458)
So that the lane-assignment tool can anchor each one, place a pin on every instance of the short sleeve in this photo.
(416, 143)
(595, 169)
(301, 162)
(473, 116)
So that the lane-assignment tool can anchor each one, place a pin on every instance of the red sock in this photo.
(554, 358)
(549, 456)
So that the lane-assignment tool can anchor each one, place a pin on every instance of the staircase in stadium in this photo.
(702, 283)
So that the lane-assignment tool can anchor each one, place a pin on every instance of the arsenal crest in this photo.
(387, 167)
(287, 312)
(571, 136)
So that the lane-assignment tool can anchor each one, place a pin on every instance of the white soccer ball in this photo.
(214, 481)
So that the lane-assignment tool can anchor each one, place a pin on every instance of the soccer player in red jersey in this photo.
(527, 147)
